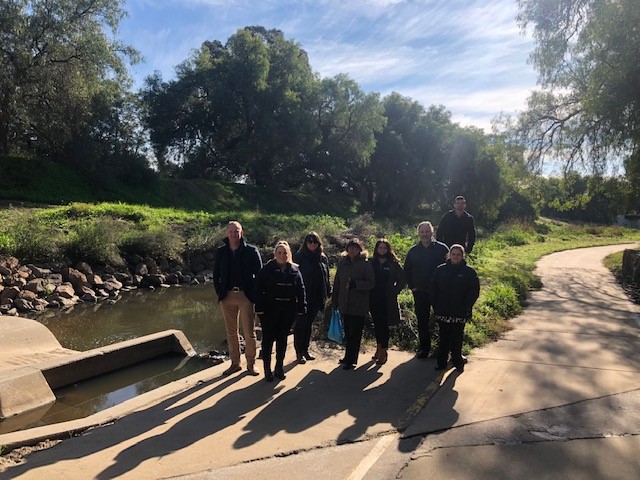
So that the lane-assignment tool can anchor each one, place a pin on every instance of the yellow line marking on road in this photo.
(372, 457)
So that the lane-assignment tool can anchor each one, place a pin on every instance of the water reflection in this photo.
(194, 310)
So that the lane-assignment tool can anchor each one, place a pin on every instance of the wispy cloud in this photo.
(465, 54)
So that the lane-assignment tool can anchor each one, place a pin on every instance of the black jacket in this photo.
(277, 288)
(421, 262)
(312, 283)
(250, 262)
(395, 284)
(454, 290)
(461, 230)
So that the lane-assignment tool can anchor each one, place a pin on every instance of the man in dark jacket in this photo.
(457, 226)
(234, 276)
(421, 262)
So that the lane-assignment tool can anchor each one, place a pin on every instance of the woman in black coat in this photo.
(279, 297)
(383, 299)
(454, 289)
(314, 267)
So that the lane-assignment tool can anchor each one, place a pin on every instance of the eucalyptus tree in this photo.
(348, 120)
(587, 55)
(55, 56)
(241, 109)
(407, 168)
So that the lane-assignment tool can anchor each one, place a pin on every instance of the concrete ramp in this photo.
(33, 363)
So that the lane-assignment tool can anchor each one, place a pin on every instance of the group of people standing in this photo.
(290, 290)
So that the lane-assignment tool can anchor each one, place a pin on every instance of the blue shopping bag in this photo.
(336, 332)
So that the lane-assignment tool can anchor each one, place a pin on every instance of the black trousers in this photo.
(353, 326)
(275, 328)
(380, 323)
(451, 337)
(302, 330)
(422, 304)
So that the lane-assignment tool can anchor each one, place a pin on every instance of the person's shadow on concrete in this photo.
(201, 424)
(319, 396)
(128, 427)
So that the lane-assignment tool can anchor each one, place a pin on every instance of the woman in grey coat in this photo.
(354, 278)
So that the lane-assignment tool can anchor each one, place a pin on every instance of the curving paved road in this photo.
(558, 397)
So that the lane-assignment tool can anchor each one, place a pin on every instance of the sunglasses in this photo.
(312, 240)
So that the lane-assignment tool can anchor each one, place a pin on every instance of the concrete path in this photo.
(558, 397)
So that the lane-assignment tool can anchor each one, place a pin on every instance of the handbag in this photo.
(336, 332)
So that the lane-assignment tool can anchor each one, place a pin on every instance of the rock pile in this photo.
(33, 288)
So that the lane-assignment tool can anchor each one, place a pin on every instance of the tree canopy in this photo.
(587, 55)
(55, 59)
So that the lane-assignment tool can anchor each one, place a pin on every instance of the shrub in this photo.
(500, 300)
(157, 242)
(34, 241)
(94, 241)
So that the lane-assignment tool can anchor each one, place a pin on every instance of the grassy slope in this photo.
(41, 182)
(194, 214)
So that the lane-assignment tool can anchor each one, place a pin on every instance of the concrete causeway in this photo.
(557, 397)
(33, 363)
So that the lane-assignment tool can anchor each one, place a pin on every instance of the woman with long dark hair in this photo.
(383, 299)
(314, 267)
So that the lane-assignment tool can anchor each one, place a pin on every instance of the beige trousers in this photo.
(236, 306)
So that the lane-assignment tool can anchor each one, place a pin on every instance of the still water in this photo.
(194, 310)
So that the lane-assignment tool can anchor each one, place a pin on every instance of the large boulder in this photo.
(11, 263)
(111, 284)
(37, 271)
(28, 295)
(152, 266)
(53, 278)
(152, 281)
(142, 269)
(24, 272)
(65, 290)
(36, 285)
(85, 268)
(95, 280)
(75, 278)
(10, 293)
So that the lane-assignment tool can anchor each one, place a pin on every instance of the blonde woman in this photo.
(279, 296)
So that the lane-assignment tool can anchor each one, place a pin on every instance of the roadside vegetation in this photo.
(106, 233)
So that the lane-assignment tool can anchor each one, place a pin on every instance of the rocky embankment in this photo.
(27, 288)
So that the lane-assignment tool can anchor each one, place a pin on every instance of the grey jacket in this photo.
(353, 301)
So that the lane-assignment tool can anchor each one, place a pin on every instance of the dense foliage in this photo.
(252, 111)
(588, 58)
(107, 233)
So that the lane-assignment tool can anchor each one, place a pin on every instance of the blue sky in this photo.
(468, 55)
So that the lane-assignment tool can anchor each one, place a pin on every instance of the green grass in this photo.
(107, 232)
(35, 181)
(614, 263)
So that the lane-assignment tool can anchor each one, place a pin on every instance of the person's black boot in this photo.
(279, 370)
(268, 374)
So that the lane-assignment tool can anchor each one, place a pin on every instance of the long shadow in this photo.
(319, 396)
(206, 422)
(126, 428)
